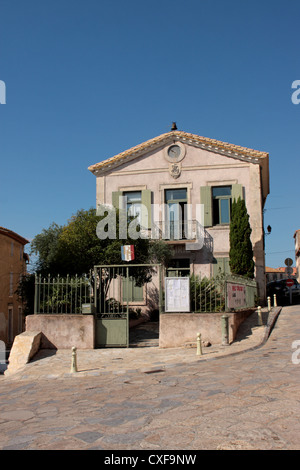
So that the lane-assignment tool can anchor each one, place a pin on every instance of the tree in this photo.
(45, 245)
(241, 251)
(75, 248)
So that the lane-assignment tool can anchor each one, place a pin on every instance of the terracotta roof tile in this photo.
(14, 235)
(212, 145)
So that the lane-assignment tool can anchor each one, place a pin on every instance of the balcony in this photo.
(189, 232)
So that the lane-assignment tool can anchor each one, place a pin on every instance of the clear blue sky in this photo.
(87, 79)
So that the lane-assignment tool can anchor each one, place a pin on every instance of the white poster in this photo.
(177, 294)
(236, 295)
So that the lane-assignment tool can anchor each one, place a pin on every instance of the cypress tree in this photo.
(241, 251)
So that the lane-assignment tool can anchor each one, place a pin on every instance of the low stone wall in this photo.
(63, 331)
(178, 329)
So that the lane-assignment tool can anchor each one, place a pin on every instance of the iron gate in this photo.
(115, 290)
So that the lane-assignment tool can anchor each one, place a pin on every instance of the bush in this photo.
(207, 295)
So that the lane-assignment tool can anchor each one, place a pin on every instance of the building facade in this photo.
(12, 266)
(277, 274)
(187, 184)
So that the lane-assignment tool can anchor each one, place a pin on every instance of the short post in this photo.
(275, 300)
(199, 347)
(225, 335)
(74, 360)
(260, 322)
(269, 304)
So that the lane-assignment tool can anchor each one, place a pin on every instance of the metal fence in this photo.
(110, 289)
(63, 294)
(105, 290)
(222, 293)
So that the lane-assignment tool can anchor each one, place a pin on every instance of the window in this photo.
(217, 202)
(133, 204)
(179, 268)
(138, 203)
(10, 324)
(221, 204)
(11, 285)
(12, 249)
(176, 200)
(21, 322)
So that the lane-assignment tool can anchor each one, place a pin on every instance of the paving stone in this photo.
(89, 436)
(229, 401)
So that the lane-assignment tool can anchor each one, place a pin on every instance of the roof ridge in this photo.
(193, 138)
(14, 235)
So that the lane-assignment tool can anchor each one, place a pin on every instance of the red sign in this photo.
(289, 282)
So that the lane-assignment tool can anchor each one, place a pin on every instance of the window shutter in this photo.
(237, 191)
(115, 198)
(227, 266)
(146, 215)
(221, 266)
(205, 198)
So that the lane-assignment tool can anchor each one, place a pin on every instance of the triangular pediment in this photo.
(211, 145)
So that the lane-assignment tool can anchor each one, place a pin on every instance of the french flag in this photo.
(127, 252)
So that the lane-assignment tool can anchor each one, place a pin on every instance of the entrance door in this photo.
(114, 291)
(112, 314)
(179, 268)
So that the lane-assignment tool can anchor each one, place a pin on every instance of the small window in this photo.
(11, 285)
(12, 249)
(221, 204)
(10, 324)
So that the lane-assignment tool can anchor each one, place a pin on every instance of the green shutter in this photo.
(206, 199)
(237, 191)
(146, 202)
(132, 292)
(115, 198)
(226, 266)
(221, 266)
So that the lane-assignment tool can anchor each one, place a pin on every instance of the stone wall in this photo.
(177, 329)
(63, 331)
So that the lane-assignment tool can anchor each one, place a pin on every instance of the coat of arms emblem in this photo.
(175, 170)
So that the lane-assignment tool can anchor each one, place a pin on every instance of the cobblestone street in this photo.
(248, 400)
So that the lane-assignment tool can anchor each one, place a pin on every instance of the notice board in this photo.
(236, 295)
(177, 294)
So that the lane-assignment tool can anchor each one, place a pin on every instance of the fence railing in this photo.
(62, 294)
(207, 295)
(222, 293)
(109, 290)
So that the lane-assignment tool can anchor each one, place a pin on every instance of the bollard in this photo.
(74, 360)
(269, 304)
(225, 336)
(199, 347)
(260, 322)
(275, 300)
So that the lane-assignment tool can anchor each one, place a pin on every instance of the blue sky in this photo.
(88, 79)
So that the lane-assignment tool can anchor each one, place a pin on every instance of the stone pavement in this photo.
(244, 396)
(95, 362)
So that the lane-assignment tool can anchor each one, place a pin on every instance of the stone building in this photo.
(12, 266)
(187, 184)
